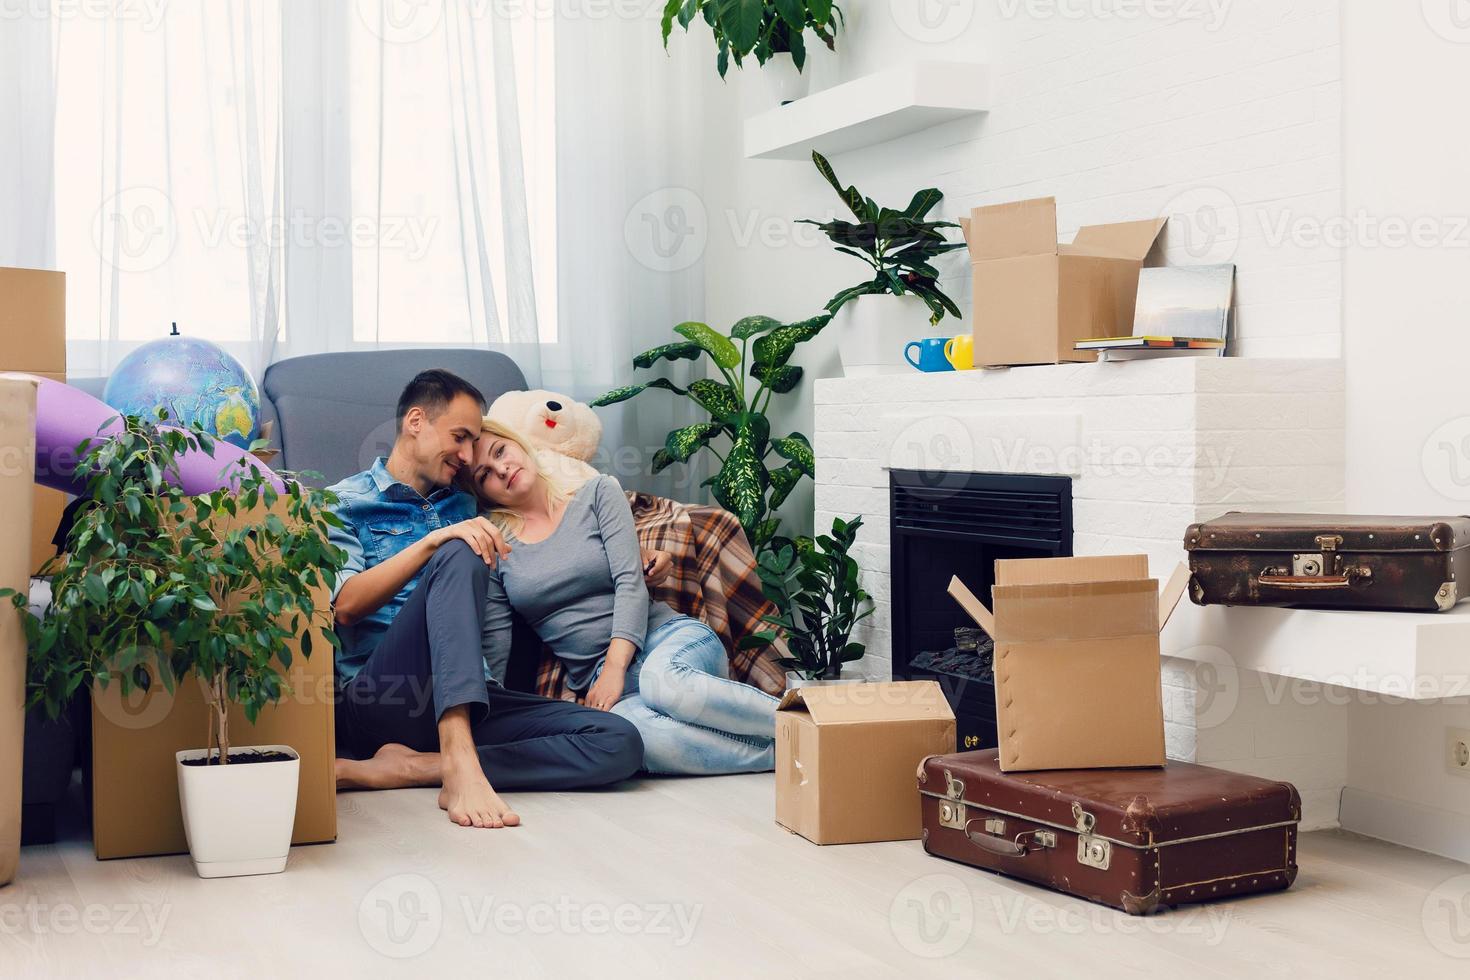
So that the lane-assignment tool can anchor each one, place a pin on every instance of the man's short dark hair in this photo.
(432, 391)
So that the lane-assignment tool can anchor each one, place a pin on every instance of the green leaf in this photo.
(796, 448)
(783, 481)
(715, 397)
(775, 348)
(852, 292)
(778, 379)
(666, 22)
(793, 12)
(681, 350)
(662, 461)
(684, 443)
(923, 202)
(750, 326)
(628, 391)
(820, 10)
(740, 484)
(719, 347)
(849, 195)
(740, 20)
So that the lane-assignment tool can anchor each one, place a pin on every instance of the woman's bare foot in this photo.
(469, 798)
(393, 766)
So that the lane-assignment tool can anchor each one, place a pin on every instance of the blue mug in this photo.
(931, 354)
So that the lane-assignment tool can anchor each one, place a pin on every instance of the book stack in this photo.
(1182, 311)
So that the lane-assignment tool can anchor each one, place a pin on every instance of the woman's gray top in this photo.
(577, 589)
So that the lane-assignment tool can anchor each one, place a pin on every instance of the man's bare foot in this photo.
(468, 797)
(393, 766)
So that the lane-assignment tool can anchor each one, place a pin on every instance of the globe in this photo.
(196, 382)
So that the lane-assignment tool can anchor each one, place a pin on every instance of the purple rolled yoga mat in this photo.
(65, 416)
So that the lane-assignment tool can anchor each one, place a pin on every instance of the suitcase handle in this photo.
(1307, 582)
(1004, 847)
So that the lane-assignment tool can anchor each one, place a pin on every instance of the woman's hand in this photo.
(606, 690)
(483, 537)
(656, 566)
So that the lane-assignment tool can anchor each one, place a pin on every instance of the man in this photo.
(414, 703)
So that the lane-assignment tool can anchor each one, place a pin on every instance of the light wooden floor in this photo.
(691, 878)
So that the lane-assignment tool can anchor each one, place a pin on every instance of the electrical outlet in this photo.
(1457, 750)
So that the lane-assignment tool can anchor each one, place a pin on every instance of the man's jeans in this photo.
(429, 661)
(695, 720)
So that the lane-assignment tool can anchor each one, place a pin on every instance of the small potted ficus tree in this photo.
(155, 583)
(877, 317)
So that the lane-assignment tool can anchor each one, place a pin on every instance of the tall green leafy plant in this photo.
(185, 584)
(814, 587)
(899, 245)
(752, 362)
(762, 28)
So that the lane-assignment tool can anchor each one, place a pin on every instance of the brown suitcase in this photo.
(1328, 561)
(1135, 839)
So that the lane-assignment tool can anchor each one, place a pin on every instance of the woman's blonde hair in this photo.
(556, 492)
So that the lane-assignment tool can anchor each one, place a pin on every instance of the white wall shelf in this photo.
(869, 110)
(1413, 656)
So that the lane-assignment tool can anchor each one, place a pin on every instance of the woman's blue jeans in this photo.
(695, 720)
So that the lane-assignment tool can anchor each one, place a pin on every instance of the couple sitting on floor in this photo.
(448, 537)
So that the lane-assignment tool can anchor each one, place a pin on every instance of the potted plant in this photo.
(879, 316)
(752, 361)
(158, 584)
(813, 584)
(771, 30)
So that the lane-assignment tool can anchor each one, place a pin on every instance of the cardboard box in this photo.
(17, 459)
(33, 340)
(135, 791)
(846, 756)
(1034, 299)
(1077, 678)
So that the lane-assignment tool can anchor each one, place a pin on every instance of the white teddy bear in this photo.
(565, 433)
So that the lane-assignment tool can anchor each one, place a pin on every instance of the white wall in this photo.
(1225, 112)
(1406, 336)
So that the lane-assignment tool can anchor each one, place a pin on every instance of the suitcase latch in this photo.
(1093, 852)
(952, 809)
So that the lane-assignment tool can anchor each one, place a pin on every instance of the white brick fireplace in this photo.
(1151, 446)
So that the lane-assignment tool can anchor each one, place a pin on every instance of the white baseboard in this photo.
(1425, 828)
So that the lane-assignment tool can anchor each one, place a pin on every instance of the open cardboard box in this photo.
(846, 755)
(1077, 675)
(1034, 298)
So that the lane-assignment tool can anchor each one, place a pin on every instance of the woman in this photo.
(574, 573)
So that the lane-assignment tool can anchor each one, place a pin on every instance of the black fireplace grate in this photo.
(1040, 518)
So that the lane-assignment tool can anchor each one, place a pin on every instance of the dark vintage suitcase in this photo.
(1328, 561)
(1135, 839)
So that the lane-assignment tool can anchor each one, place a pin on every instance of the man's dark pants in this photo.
(429, 661)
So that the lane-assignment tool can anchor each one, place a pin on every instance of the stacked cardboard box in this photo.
(17, 455)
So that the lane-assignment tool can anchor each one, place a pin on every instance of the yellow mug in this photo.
(960, 352)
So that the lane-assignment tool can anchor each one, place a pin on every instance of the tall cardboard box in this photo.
(1034, 299)
(17, 461)
(33, 340)
(846, 756)
(135, 791)
(1077, 674)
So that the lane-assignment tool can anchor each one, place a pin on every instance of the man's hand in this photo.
(480, 533)
(604, 693)
(657, 566)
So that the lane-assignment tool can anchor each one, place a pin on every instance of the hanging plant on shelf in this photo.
(763, 28)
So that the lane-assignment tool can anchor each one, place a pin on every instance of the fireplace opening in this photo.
(943, 524)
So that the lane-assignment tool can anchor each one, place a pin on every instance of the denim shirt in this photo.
(382, 517)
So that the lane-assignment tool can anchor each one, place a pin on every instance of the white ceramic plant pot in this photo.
(778, 82)
(794, 680)
(872, 331)
(238, 818)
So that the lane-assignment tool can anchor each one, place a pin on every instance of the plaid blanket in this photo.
(713, 580)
